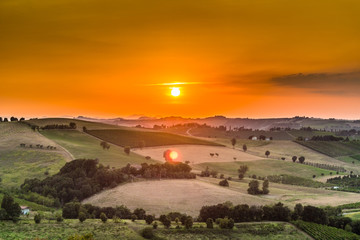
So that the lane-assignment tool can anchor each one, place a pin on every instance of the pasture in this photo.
(128, 137)
(198, 154)
(82, 145)
(18, 163)
(334, 148)
(188, 196)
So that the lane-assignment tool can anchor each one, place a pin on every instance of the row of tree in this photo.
(71, 125)
(12, 119)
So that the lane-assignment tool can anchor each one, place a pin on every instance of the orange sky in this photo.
(109, 58)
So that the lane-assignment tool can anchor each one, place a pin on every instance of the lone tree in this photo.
(242, 170)
(265, 188)
(233, 142)
(244, 147)
(224, 183)
(127, 150)
(103, 217)
(301, 159)
(294, 158)
(267, 153)
(105, 145)
(11, 210)
(254, 187)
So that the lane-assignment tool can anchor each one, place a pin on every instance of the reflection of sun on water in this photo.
(175, 91)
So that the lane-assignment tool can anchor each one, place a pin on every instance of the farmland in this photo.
(198, 154)
(335, 148)
(320, 232)
(18, 163)
(82, 145)
(126, 229)
(128, 137)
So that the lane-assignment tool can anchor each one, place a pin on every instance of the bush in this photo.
(224, 183)
(147, 233)
(82, 216)
(37, 218)
(209, 223)
(189, 222)
(59, 218)
(103, 217)
(155, 225)
(149, 219)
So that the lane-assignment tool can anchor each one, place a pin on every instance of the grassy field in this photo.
(353, 215)
(27, 229)
(188, 196)
(264, 168)
(333, 149)
(82, 145)
(128, 137)
(198, 154)
(18, 163)
(79, 123)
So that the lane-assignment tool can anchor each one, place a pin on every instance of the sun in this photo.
(175, 91)
(173, 155)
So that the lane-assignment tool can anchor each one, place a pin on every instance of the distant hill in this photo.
(261, 124)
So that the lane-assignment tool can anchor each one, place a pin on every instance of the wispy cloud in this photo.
(347, 83)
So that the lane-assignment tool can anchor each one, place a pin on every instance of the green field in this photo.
(265, 168)
(27, 229)
(124, 137)
(320, 232)
(82, 145)
(333, 149)
(353, 215)
(17, 165)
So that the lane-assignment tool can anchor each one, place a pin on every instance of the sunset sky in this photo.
(116, 58)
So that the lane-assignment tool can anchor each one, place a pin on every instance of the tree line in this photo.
(82, 178)
(12, 119)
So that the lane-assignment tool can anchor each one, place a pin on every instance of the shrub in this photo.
(147, 233)
(189, 222)
(155, 225)
(224, 183)
(209, 223)
(103, 217)
(37, 218)
(149, 219)
(82, 216)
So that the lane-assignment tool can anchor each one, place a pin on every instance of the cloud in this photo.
(346, 83)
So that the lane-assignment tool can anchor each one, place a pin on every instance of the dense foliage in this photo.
(349, 183)
(9, 210)
(82, 178)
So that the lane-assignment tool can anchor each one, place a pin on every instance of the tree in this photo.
(166, 222)
(267, 153)
(6, 120)
(265, 188)
(233, 142)
(148, 233)
(149, 219)
(103, 217)
(37, 218)
(209, 223)
(12, 209)
(82, 216)
(224, 183)
(242, 170)
(84, 129)
(188, 222)
(127, 150)
(294, 158)
(301, 159)
(72, 125)
(253, 187)
(244, 147)
(140, 213)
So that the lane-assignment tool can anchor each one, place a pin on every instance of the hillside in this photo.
(18, 163)
(128, 137)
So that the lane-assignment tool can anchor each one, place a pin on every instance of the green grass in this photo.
(33, 206)
(82, 145)
(124, 137)
(265, 168)
(320, 232)
(356, 157)
(27, 229)
(333, 149)
(353, 215)
(17, 165)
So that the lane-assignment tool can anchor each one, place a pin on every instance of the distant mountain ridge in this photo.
(261, 124)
